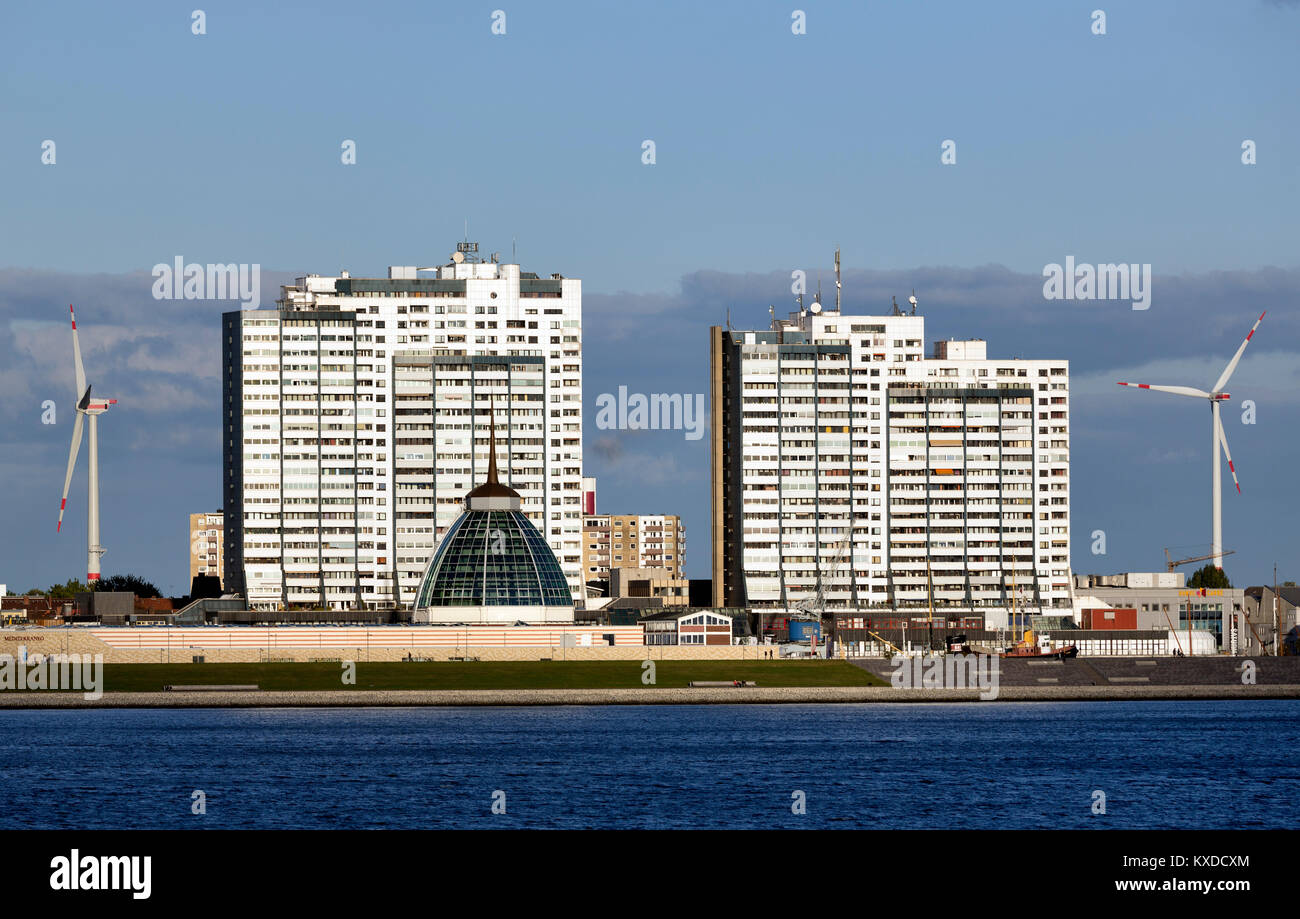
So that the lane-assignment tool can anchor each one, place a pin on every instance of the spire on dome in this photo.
(493, 488)
(492, 444)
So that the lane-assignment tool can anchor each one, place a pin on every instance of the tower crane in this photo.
(814, 607)
(1171, 563)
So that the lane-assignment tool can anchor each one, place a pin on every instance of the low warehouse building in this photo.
(689, 627)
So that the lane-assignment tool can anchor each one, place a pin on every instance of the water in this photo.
(1229, 764)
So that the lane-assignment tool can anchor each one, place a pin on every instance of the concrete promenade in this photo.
(1219, 670)
(638, 696)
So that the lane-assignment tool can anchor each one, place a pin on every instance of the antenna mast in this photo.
(837, 280)
(1277, 617)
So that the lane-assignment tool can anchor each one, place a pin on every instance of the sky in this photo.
(770, 149)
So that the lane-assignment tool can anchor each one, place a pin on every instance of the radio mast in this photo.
(837, 280)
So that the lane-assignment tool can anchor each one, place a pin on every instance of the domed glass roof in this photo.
(493, 558)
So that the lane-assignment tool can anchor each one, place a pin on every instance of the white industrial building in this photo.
(1162, 600)
(839, 447)
(350, 437)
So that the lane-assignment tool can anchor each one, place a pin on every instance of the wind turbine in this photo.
(1218, 438)
(92, 408)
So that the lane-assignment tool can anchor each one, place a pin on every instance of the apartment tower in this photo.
(838, 447)
(357, 418)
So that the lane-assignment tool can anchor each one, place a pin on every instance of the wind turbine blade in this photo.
(1176, 390)
(76, 355)
(1223, 440)
(72, 461)
(1232, 364)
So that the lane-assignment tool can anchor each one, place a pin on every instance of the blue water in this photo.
(1161, 764)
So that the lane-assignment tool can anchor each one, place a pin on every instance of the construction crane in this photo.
(885, 641)
(1172, 563)
(814, 607)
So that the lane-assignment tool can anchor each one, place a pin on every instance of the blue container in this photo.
(805, 630)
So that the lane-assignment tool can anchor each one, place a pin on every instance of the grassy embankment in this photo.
(483, 675)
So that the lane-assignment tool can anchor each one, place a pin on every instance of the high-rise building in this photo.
(839, 448)
(632, 541)
(357, 417)
(207, 546)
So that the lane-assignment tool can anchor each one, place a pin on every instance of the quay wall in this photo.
(640, 696)
(253, 644)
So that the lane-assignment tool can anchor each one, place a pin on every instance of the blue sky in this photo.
(771, 150)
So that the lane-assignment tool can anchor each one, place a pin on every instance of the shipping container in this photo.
(1122, 618)
(804, 630)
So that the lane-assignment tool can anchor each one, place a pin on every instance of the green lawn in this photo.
(484, 674)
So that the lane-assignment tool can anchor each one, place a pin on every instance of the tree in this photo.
(1209, 577)
(67, 590)
(128, 583)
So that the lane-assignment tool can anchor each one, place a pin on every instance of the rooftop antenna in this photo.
(771, 311)
(514, 250)
(837, 280)
(816, 306)
(912, 300)
(897, 311)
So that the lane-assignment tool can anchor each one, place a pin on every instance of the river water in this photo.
(1201, 764)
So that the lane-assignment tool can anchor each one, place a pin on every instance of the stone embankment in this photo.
(640, 696)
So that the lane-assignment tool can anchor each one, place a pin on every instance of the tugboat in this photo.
(957, 644)
(1029, 648)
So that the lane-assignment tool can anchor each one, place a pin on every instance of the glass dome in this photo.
(493, 558)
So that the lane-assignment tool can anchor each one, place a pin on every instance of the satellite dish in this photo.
(912, 299)
(458, 257)
(816, 307)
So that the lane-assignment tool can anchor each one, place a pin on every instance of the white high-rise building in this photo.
(357, 418)
(839, 447)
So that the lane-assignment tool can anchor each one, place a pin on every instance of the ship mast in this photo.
(929, 586)
(1013, 603)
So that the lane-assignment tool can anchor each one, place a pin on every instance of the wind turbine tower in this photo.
(1217, 437)
(92, 409)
